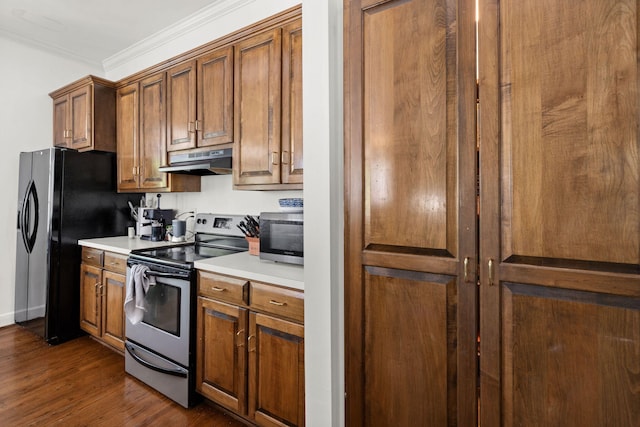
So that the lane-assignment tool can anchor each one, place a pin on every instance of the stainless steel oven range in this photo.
(160, 349)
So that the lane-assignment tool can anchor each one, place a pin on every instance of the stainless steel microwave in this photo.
(282, 237)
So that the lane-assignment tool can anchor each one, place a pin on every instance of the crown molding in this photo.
(204, 16)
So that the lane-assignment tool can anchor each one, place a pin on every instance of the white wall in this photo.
(26, 77)
(323, 233)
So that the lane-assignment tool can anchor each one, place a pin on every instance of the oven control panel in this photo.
(226, 225)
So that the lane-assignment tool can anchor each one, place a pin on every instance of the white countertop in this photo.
(239, 265)
(253, 268)
(123, 244)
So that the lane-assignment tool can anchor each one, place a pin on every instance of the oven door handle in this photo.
(183, 276)
(140, 360)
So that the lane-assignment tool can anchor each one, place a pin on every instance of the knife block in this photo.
(254, 245)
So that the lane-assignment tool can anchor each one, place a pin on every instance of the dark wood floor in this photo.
(82, 383)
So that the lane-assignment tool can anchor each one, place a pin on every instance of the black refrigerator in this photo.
(63, 196)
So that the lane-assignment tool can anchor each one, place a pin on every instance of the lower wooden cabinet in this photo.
(102, 293)
(250, 358)
(276, 371)
(222, 357)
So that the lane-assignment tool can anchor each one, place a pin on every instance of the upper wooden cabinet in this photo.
(141, 114)
(268, 109)
(200, 101)
(84, 115)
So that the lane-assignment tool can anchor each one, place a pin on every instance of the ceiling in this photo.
(91, 30)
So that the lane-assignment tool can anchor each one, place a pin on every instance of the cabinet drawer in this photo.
(222, 287)
(92, 256)
(115, 262)
(283, 302)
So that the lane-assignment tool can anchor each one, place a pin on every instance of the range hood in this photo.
(212, 162)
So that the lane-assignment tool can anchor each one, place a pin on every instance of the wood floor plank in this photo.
(83, 383)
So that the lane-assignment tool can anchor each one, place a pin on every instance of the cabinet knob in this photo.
(274, 158)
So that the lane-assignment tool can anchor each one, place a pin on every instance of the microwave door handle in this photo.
(140, 360)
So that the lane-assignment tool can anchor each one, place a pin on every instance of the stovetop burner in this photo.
(216, 235)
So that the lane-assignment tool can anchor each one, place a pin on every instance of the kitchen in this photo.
(36, 73)
(554, 289)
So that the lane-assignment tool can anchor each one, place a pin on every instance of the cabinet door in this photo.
(221, 354)
(127, 137)
(153, 141)
(113, 294)
(61, 125)
(410, 173)
(181, 106)
(560, 213)
(90, 301)
(256, 158)
(291, 158)
(276, 371)
(81, 103)
(215, 98)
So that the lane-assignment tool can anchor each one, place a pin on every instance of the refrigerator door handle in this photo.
(28, 236)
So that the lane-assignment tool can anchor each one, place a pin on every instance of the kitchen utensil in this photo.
(179, 227)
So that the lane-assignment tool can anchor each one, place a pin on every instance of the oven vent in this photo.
(211, 162)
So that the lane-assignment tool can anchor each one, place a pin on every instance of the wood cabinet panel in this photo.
(229, 289)
(181, 105)
(84, 115)
(292, 147)
(570, 128)
(141, 112)
(288, 303)
(250, 362)
(215, 98)
(569, 355)
(410, 212)
(90, 303)
(276, 371)
(559, 212)
(92, 256)
(127, 136)
(60, 121)
(115, 262)
(81, 102)
(409, 373)
(102, 294)
(153, 137)
(257, 109)
(409, 145)
(113, 294)
(221, 367)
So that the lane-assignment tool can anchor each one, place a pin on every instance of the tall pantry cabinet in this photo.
(523, 233)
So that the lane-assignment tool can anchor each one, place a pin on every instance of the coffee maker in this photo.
(152, 223)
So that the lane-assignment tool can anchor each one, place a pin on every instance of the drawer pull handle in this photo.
(217, 289)
(278, 303)
(89, 257)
